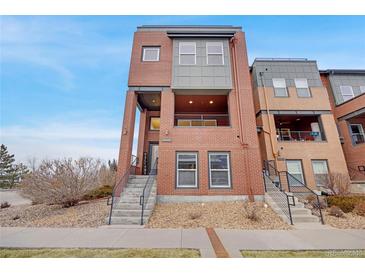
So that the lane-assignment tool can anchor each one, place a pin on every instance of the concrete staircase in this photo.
(128, 210)
(299, 213)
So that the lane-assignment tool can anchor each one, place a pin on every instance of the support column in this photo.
(141, 140)
(126, 142)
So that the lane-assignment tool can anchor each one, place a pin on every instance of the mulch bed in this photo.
(85, 214)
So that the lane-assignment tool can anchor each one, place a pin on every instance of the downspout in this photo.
(237, 87)
(273, 151)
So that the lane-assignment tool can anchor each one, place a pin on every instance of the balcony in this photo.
(298, 128)
(356, 127)
(358, 138)
(201, 111)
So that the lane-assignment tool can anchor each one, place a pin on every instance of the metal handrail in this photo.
(280, 197)
(143, 199)
(118, 187)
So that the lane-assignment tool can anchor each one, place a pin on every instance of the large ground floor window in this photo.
(320, 171)
(294, 167)
(186, 170)
(219, 170)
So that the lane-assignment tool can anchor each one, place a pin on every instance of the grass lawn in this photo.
(303, 253)
(97, 253)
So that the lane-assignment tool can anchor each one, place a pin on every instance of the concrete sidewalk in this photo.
(106, 238)
(233, 240)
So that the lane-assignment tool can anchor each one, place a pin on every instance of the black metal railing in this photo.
(119, 186)
(143, 199)
(280, 197)
(296, 135)
(304, 194)
(358, 138)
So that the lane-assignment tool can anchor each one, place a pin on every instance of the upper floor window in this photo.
(362, 89)
(280, 87)
(302, 87)
(346, 92)
(187, 53)
(215, 53)
(151, 54)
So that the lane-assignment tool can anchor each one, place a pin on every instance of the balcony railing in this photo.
(358, 138)
(300, 136)
(201, 120)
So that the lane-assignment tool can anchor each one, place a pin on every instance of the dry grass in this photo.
(89, 214)
(97, 253)
(348, 221)
(216, 215)
(303, 253)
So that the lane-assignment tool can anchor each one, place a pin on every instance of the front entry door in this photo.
(153, 156)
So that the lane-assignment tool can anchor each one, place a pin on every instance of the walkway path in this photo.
(233, 240)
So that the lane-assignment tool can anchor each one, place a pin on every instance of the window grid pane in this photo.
(187, 170)
(219, 170)
(151, 54)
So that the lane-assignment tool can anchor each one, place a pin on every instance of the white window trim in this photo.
(342, 94)
(301, 169)
(280, 86)
(361, 129)
(228, 169)
(296, 80)
(183, 169)
(148, 47)
(314, 173)
(207, 53)
(187, 43)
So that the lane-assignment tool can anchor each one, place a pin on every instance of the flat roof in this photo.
(343, 71)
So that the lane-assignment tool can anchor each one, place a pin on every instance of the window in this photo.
(155, 123)
(219, 170)
(362, 89)
(357, 133)
(215, 53)
(187, 53)
(320, 171)
(346, 92)
(294, 168)
(280, 87)
(151, 54)
(302, 87)
(187, 172)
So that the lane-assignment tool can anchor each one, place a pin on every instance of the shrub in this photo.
(346, 203)
(360, 209)
(195, 215)
(5, 205)
(338, 183)
(107, 176)
(251, 212)
(63, 182)
(336, 211)
(100, 192)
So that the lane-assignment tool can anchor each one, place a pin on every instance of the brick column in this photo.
(141, 139)
(126, 142)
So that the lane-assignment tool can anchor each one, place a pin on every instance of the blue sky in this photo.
(63, 78)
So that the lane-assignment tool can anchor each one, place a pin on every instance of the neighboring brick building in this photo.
(346, 89)
(297, 129)
(192, 86)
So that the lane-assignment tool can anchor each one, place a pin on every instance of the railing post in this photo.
(320, 210)
(263, 176)
(291, 219)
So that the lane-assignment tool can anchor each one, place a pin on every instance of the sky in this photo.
(63, 78)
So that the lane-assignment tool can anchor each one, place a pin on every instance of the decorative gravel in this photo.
(216, 215)
(87, 214)
(349, 221)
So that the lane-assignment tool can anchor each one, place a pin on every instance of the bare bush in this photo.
(251, 212)
(195, 215)
(338, 184)
(62, 182)
(5, 205)
(336, 211)
(107, 176)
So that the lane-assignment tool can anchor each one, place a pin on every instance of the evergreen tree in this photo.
(10, 173)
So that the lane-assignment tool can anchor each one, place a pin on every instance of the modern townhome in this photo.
(346, 89)
(297, 130)
(211, 128)
(197, 125)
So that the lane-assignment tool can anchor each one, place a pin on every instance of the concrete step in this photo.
(128, 220)
(305, 219)
(130, 212)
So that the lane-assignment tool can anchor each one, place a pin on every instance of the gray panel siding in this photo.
(201, 75)
(345, 80)
(288, 70)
